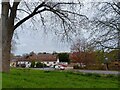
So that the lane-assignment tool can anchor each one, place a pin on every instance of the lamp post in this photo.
(106, 63)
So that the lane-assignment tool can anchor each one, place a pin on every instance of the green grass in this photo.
(27, 78)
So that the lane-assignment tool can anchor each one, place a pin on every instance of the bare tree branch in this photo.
(28, 17)
(23, 11)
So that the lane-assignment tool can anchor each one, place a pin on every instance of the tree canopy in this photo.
(64, 57)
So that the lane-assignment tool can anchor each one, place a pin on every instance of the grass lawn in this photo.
(28, 78)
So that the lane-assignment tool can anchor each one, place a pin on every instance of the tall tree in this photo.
(0, 46)
(10, 10)
(106, 26)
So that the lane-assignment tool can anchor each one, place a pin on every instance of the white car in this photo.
(59, 67)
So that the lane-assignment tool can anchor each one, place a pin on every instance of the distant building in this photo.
(48, 59)
(20, 62)
(26, 60)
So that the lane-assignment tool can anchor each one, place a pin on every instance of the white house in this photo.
(48, 59)
(20, 62)
(25, 61)
(13, 62)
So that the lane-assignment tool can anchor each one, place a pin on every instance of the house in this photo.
(26, 60)
(48, 59)
(23, 63)
(13, 62)
(20, 62)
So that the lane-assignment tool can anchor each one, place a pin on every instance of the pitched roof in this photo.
(47, 57)
(39, 57)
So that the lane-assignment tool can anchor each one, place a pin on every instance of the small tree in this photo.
(64, 57)
(82, 51)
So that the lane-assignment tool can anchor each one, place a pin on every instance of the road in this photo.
(84, 71)
(98, 71)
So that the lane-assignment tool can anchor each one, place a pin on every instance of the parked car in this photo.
(59, 67)
(23, 65)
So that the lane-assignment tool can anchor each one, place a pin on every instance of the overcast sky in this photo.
(38, 41)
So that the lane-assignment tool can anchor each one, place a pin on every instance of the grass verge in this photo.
(28, 78)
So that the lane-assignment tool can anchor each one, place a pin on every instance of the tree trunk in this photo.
(0, 45)
(6, 47)
(6, 58)
(7, 32)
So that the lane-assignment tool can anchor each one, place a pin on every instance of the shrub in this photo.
(32, 64)
(95, 67)
(40, 65)
(76, 67)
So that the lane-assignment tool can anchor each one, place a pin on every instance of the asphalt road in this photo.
(99, 71)
(85, 71)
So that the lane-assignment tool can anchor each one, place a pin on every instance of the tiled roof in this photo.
(47, 57)
(39, 57)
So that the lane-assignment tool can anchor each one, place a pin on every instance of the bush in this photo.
(32, 64)
(76, 67)
(40, 65)
(95, 67)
